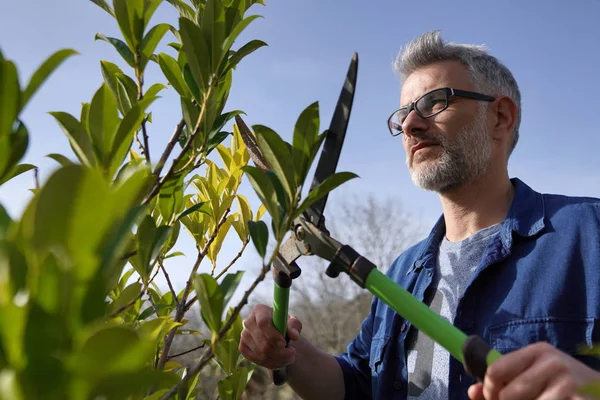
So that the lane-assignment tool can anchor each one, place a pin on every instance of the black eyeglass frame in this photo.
(449, 92)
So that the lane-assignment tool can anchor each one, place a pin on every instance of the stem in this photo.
(169, 148)
(140, 84)
(160, 182)
(188, 288)
(36, 177)
(126, 306)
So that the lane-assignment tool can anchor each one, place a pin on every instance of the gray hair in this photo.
(489, 75)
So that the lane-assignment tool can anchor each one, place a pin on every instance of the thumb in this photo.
(294, 328)
(476, 392)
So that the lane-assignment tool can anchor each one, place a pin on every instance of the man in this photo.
(518, 268)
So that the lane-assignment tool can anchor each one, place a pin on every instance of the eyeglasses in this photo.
(430, 104)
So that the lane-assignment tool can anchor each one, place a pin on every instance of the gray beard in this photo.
(462, 160)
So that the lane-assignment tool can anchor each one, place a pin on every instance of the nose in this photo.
(414, 124)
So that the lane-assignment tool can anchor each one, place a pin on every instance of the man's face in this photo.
(454, 147)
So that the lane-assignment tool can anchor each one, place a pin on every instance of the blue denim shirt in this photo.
(539, 280)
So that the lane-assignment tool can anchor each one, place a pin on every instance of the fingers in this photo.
(476, 392)
(262, 344)
(294, 328)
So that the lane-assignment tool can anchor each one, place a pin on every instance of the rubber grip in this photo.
(280, 376)
(475, 354)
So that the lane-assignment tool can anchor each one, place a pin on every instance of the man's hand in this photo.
(538, 371)
(263, 344)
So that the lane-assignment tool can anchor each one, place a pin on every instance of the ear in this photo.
(505, 117)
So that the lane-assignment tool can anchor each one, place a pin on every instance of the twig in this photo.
(160, 262)
(188, 287)
(169, 148)
(36, 177)
(237, 257)
(187, 351)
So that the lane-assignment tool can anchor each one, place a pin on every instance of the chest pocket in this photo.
(378, 346)
(568, 335)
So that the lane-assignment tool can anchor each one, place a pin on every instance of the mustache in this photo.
(430, 138)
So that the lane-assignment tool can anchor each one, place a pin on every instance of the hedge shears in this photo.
(309, 236)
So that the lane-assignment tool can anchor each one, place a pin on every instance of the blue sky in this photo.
(552, 48)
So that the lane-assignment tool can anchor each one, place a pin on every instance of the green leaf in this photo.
(42, 73)
(324, 188)
(306, 132)
(174, 74)
(196, 48)
(151, 40)
(120, 46)
(191, 83)
(130, 16)
(151, 241)
(184, 9)
(16, 171)
(202, 207)
(214, 30)
(78, 137)
(227, 351)
(216, 140)
(112, 76)
(278, 156)
(104, 5)
(265, 189)
(244, 51)
(125, 102)
(128, 385)
(150, 7)
(232, 387)
(260, 236)
(174, 254)
(104, 121)
(170, 197)
(210, 297)
(59, 158)
(229, 284)
(128, 295)
(13, 148)
(236, 32)
(10, 97)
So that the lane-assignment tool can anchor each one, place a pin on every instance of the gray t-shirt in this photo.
(428, 362)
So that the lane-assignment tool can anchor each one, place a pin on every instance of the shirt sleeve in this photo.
(355, 361)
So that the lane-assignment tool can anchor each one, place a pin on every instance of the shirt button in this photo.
(403, 327)
(460, 378)
(429, 273)
(397, 385)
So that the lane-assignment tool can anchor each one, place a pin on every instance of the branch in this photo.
(160, 262)
(188, 287)
(169, 148)
(187, 351)
(161, 181)
(209, 354)
(126, 306)
(36, 177)
(237, 257)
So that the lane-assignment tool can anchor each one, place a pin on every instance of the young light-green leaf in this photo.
(59, 158)
(120, 46)
(104, 121)
(260, 236)
(210, 297)
(43, 72)
(324, 188)
(236, 32)
(263, 186)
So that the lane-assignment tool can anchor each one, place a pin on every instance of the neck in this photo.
(477, 205)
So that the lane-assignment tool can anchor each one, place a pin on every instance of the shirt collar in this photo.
(525, 217)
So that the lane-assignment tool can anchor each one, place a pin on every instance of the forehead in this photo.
(441, 74)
